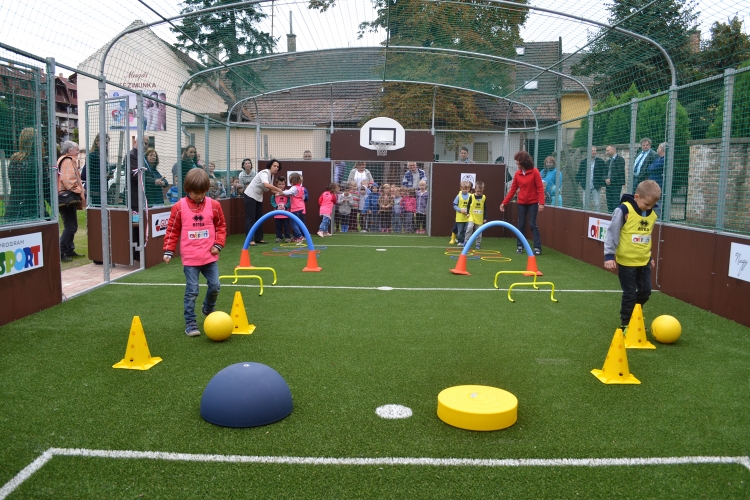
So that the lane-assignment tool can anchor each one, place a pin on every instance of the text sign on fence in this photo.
(598, 228)
(739, 256)
(20, 253)
(159, 224)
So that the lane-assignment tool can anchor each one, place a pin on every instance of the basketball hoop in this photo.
(382, 147)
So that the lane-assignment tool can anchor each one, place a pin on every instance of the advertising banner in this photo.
(20, 253)
(159, 223)
(598, 228)
(739, 256)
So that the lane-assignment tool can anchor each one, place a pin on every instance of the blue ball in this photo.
(246, 395)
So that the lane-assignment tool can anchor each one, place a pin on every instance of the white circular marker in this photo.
(385, 288)
(393, 411)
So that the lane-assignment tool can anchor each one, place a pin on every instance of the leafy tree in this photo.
(727, 48)
(740, 113)
(616, 61)
(229, 35)
(467, 26)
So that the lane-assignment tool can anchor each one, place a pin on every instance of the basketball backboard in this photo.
(382, 134)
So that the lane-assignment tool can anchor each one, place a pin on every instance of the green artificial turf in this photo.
(346, 347)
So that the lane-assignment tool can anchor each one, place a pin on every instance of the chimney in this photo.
(291, 38)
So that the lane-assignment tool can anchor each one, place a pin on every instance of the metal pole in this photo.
(726, 144)
(666, 194)
(558, 167)
(331, 109)
(536, 146)
(229, 144)
(630, 179)
(51, 68)
(178, 130)
(139, 182)
(38, 144)
(103, 177)
(505, 155)
(205, 133)
(587, 155)
(434, 98)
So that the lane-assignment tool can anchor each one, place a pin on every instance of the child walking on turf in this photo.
(281, 202)
(627, 246)
(477, 202)
(198, 223)
(461, 206)
(326, 201)
(298, 196)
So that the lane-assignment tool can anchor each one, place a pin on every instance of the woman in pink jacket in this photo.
(528, 183)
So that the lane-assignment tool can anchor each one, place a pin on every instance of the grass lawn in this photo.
(385, 322)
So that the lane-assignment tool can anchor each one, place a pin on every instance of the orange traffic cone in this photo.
(636, 332)
(312, 263)
(137, 355)
(615, 370)
(461, 266)
(239, 317)
(245, 258)
(531, 266)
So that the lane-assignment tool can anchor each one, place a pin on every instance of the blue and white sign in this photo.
(739, 257)
(21, 253)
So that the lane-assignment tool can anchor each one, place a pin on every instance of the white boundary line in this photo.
(37, 464)
(382, 288)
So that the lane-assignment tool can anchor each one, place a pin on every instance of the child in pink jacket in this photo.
(326, 201)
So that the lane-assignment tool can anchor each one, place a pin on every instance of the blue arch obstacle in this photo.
(530, 264)
(312, 261)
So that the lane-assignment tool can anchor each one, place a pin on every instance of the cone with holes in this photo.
(461, 266)
(531, 266)
(137, 355)
(245, 258)
(615, 369)
(636, 332)
(312, 263)
(239, 317)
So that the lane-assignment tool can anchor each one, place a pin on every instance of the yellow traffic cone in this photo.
(239, 317)
(137, 355)
(615, 369)
(635, 338)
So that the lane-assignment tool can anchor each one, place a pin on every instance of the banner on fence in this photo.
(159, 224)
(739, 256)
(20, 253)
(598, 228)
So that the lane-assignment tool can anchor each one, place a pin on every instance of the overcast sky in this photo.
(72, 31)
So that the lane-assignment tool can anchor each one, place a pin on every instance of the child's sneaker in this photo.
(478, 247)
(278, 240)
(192, 331)
(363, 230)
(287, 240)
(206, 312)
(460, 245)
(519, 250)
(329, 234)
(537, 251)
(321, 234)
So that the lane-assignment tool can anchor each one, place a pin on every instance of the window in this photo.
(481, 152)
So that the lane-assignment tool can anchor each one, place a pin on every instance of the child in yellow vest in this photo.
(461, 206)
(627, 246)
(477, 202)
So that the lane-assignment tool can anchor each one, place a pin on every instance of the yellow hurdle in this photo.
(236, 277)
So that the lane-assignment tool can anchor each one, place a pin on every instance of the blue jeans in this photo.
(531, 211)
(192, 273)
(397, 220)
(461, 231)
(282, 227)
(296, 230)
(325, 224)
(636, 288)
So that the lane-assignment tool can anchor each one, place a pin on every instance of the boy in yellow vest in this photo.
(627, 246)
(461, 206)
(477, 203)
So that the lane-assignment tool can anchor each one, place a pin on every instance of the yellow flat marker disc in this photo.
(477, 407)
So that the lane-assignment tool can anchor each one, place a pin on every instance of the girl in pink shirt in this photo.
(326, 201)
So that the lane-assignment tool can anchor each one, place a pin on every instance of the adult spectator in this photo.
(412, 176)
(528, 182)
(247, 174)
(153, 181)
(69, 179)
(360, 175)
(550, 178)
(307, 155)
(188, 161)
(615, 178)
(655, 171)
(595, 168)
(23, 176)
(645, 158)
(463, 155)
(134, 186)
(261, 183)
(93, 177)
(216, 188)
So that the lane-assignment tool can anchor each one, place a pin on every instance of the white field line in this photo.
(384, 288)
(412, 461)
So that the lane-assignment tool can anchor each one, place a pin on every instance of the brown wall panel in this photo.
(45, 281)
(446, 179)
(731, 296)
(686, 265)
(155, 244)
(120, 231)
(420, 146)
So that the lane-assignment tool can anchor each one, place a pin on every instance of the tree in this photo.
(466, 26)
(228, 35)
(727, 48)
(616, 60)
(740, 113)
